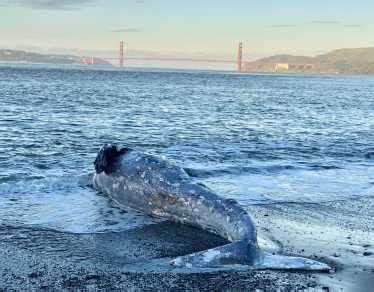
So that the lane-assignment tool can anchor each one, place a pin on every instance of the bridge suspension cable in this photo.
(122, 58)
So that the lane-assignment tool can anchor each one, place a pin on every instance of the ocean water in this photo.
(258, 138)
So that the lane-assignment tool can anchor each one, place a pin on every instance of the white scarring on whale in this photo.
(157, 188)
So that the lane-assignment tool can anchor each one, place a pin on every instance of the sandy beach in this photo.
(339, 233)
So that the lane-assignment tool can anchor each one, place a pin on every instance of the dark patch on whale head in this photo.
(106, 154)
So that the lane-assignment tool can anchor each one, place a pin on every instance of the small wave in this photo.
(40, 184)
(64, 204)
(263, 170)
(234, 170)
(369, 155)
(13, 178)
(321, 167)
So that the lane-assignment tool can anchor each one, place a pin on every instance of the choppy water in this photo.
(255, 138)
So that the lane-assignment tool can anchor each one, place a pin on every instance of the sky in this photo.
(194, 27)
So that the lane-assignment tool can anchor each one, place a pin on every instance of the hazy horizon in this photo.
(192, 29)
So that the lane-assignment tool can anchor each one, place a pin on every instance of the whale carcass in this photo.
(156, 187)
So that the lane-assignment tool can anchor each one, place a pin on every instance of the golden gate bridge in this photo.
(122, 58)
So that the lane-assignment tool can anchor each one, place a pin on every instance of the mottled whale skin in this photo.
(154, 186)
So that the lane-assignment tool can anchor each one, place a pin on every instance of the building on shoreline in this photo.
(295, 67)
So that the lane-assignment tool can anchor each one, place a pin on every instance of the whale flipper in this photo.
(242, 253)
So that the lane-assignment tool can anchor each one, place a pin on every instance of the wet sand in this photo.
(340, 233)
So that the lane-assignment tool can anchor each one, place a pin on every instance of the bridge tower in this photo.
(121, 54)
(239, 59)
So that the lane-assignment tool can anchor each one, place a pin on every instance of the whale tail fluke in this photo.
(242, 253)
(232, 253)
(281, 262)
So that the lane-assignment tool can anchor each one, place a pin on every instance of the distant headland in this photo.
(342, 61)
(30, 57)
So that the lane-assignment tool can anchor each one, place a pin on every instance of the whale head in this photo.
(106, 154)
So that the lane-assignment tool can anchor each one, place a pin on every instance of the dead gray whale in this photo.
(154, 186)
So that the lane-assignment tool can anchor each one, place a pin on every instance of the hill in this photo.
(342, 61)
(28, 57)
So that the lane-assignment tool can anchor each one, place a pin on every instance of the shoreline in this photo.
(339, 233)
(34, 258)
